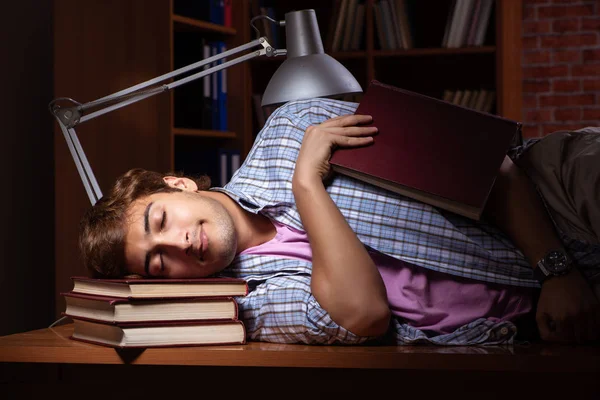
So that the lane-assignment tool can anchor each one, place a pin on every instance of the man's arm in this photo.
(567, 308)
(345, 281)
(515, 207)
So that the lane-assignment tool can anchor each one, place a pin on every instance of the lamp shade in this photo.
(307, 72)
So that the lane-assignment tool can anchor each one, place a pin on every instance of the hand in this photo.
(321, 140)
(568, 310)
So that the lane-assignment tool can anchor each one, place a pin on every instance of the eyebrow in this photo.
(147, 231)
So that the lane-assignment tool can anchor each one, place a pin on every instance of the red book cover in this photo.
(155, 287)
(429, 149)
(115, 310)
(152, 281)
(159, 334)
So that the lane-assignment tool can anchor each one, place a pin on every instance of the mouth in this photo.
(202, 243)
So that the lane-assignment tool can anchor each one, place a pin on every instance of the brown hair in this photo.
(102, 228)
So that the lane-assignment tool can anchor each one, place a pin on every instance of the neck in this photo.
(252, 229)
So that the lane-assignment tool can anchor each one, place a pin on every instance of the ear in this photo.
(185, 184)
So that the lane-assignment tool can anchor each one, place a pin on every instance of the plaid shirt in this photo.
(280, 306)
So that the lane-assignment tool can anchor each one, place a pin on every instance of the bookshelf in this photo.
(102, 47)
(427, 67)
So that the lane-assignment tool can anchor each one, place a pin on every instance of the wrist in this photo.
(554, 263)
(305, 183)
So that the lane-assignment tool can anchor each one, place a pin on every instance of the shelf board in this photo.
(338, 55)
(434, 51)
(204, 133)
(344, 55)
(181, 23)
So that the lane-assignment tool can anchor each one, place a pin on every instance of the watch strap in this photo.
(540, 273)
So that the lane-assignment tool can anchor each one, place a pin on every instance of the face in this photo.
(179, 235)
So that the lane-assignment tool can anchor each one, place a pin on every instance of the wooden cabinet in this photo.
(427, 68)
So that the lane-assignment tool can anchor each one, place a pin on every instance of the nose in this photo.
(174, 239)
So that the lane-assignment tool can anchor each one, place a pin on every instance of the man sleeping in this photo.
(333, 260)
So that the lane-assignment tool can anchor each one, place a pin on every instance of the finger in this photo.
(543, 323)
(580, 328)
(594, 326)
(591, 332)
(564, 330)
(344, 141)
(352, 130)
(347, 120)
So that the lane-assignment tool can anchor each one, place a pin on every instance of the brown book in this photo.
(166, 288)
(116, 310)
(430, 150)
(167, 334)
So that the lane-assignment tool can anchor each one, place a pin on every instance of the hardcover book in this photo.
(153, 288)
(168, 334)
(118, 310)
(428, 149)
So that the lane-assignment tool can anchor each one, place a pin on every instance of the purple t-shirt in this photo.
(426, 299)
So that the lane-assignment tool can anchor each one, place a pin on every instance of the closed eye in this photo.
(163, 220)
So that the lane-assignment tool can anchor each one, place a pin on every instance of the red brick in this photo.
(536, 27)
(591, 55)
(549, 128)
(590, 24)
(565, 25)
(566, 56)
(530, 101)
(591, 114)
(566, 85)
(567, 114)
(563, 11)
(531, 42)
(542, 115)
(591, 85)
(566, 100)
(531, 131)
(585, 70)
(528, 2)
(573, 40)
(536, 86)
(530, 13)
(536, 57)
(545, 72)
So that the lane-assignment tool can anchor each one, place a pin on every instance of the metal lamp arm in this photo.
(75, 113)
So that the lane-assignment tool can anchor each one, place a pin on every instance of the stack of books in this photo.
(134, 313)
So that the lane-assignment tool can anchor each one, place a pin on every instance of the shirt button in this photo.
(504, 331)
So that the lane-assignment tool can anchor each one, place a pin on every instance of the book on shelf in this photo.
(428, 149)
(217, 163)
(115, 310)
(393, 24)
(467, 23)
(140, 288)
(164, 334)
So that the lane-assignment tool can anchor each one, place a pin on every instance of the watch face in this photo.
(556, 262)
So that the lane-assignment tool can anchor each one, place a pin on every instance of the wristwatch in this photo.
(554, 263)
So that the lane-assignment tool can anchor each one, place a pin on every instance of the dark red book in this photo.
(165, 334)
(227, 21)
(165, 288)
(428, 149)
(116, 310)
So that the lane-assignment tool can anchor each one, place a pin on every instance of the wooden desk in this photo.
(49, 356)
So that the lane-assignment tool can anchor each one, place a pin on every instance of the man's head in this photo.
(157, 225)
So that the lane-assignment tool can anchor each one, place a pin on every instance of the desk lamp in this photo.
(307, 73)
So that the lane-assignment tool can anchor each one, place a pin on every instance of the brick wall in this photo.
(561, 65)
